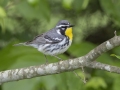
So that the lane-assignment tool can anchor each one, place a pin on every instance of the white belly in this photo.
(54, 49)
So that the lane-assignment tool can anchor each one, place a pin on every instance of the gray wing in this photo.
(37, 40)
(50, 37)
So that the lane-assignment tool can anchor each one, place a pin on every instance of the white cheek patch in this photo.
(58, 31)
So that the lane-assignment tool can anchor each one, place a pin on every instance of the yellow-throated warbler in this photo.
(55, 41)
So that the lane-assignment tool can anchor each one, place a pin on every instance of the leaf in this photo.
(85, 4)
(115, 56)
(2, 17)
(28, 84)
(81, 49)
(67, 4)
(116, 84)
(2, 13)
(96, 83)
(40, 11)
(80, 4)
(112, 9)
(10, 54)
(4, 2)
(105, 58)
(33, 2)
(77, 4)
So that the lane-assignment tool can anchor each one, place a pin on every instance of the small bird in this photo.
(54, 41)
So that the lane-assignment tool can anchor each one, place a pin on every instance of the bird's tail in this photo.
(26, 44)
(19, 44)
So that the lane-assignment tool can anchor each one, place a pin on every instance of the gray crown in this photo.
(63, 23)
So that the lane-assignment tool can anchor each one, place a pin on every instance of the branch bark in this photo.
(87, 60)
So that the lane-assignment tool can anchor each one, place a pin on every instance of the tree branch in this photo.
(65, 66)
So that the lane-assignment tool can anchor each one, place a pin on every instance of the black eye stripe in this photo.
(62, 30)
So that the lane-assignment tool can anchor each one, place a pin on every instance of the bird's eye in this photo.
(63, 28)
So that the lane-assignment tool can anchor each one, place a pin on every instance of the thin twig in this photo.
(79, 77)
(84, 74)
(115, 33)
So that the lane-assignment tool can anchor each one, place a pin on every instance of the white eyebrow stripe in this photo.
(62, 25)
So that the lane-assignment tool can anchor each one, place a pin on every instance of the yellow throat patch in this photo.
(68, 33)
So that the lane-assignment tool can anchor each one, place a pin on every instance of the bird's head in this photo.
(65, 28)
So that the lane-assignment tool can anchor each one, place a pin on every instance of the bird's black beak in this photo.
(71, 25)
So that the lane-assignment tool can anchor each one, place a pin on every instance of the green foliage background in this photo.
(95, 22)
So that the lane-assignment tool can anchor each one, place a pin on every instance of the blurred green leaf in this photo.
(2, 13)
(3, 2)
(2, 24)
(79, 5)
(33, 2)
(2, 17)
(65, 81)
(85, 4)
(38, 12)
(28, 84)
(116, 85)
(111, 7)
(105, 58)
(80, 49)
(96, 83)
(67, 4)
(11, 54)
